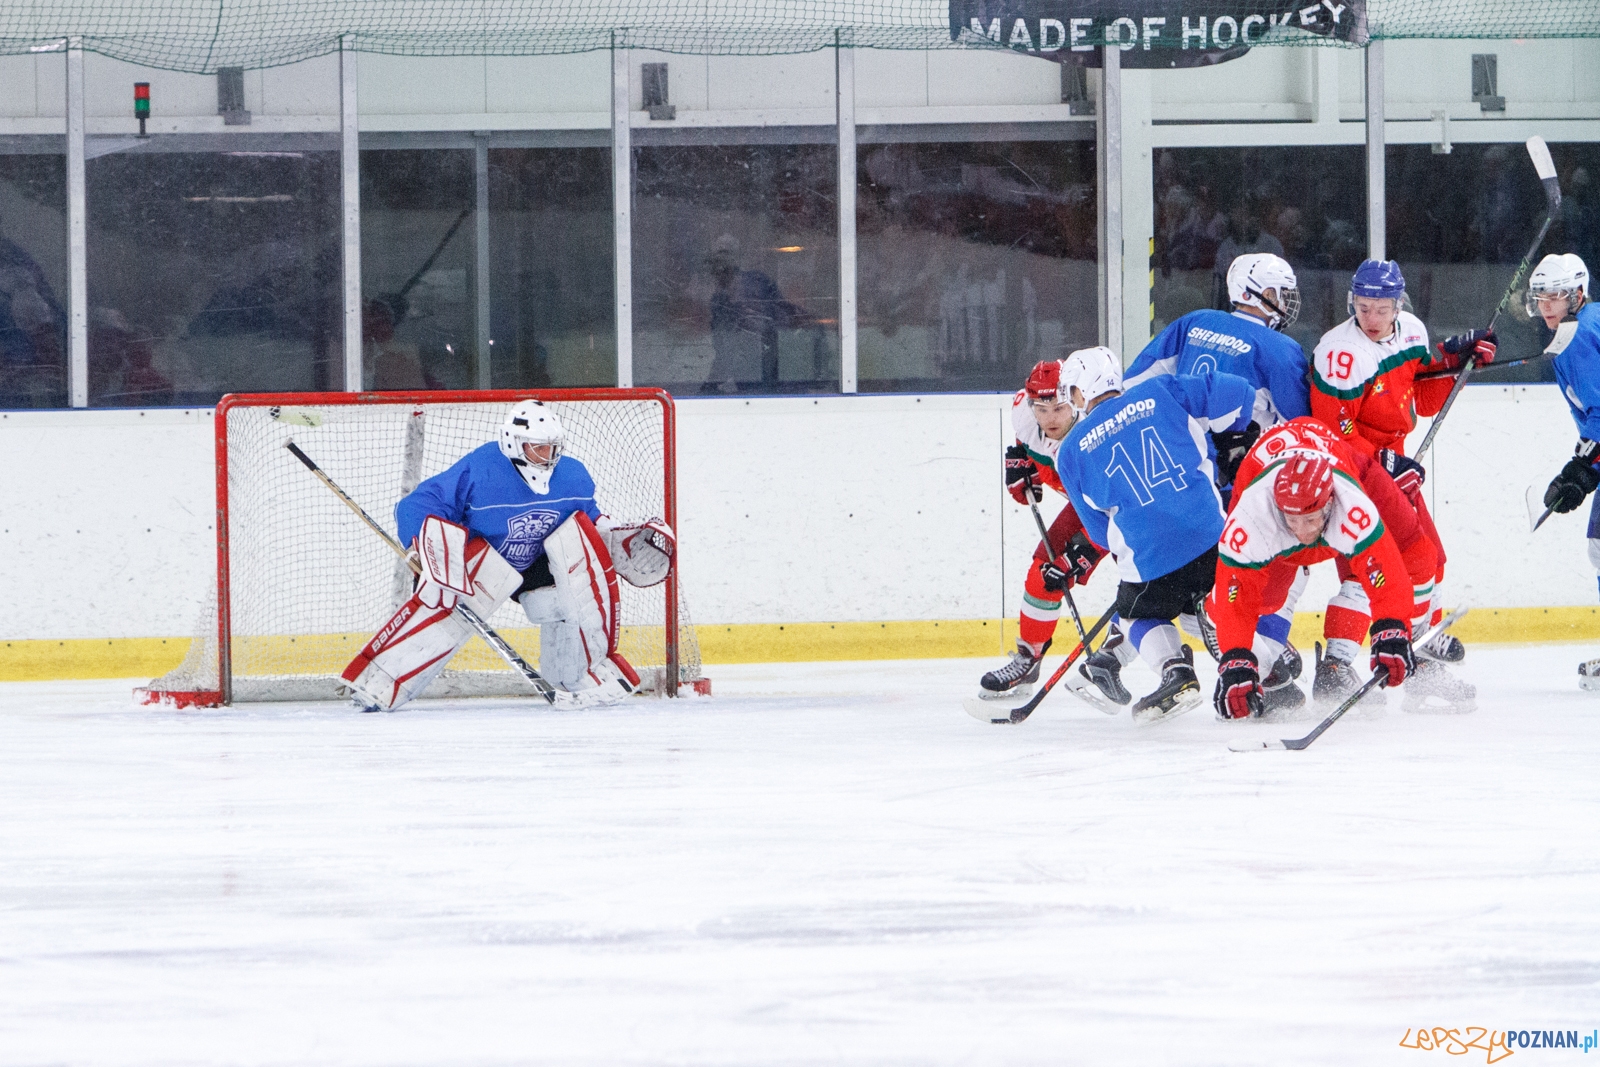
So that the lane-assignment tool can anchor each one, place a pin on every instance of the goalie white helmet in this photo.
(1094, 372)
(532, 439)
(1558, 274)
(1251, 277)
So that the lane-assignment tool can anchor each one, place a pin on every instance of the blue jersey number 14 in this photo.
(1158, 466)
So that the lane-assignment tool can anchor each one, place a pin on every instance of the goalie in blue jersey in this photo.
(1140, 466)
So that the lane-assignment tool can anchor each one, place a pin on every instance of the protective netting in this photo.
(202, 35)
(310, 583)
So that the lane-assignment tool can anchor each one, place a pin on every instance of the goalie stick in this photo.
(473, 619)
(986, 710)
(1539, 152)
(1074, 686)
(1298, 743)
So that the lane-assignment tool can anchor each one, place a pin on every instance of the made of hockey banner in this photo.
(1151, 33)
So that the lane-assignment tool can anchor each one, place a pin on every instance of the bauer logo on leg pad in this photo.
(442, 550)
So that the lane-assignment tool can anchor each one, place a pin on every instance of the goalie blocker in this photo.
(570, 592)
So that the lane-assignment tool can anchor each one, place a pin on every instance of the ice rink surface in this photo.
(823, 864)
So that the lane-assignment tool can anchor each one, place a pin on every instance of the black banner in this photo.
(1151, 33)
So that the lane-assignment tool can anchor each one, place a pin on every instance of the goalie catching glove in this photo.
(1073, 566)
(1020, 481)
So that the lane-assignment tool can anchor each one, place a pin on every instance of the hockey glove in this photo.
(1391, 651)
(1074, 565)
(1474, 344)
(1020, 480)
(1576, 480)
(1232, 445)
(1238, 694)
(1407, 473)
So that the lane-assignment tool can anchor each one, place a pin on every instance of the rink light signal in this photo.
(141, 104)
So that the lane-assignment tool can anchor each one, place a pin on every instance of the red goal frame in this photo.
(490, 396)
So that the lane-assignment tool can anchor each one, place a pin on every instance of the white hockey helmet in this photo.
(529, 422)
(1255, 274)
(1562, 273)
(1094, 371)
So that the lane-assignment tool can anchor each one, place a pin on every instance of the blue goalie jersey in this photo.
(1236, 343)
(483, 492)
(1141, 470)
(1577, 366)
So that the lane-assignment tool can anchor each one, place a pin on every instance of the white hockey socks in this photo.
(418, 641)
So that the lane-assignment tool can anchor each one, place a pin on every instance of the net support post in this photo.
(1108, 129)
(622, 205)
(845, 94)
(350, 213)
(480, 273)
(1376, 227)
(77, 232)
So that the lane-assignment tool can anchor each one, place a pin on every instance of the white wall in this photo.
(792, 510)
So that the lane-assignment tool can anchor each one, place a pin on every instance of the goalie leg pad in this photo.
(418, 641)
(578, 614)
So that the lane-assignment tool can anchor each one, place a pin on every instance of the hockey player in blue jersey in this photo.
(1558, 292)
(514, 519)
(1140, 466)
(1248, 342)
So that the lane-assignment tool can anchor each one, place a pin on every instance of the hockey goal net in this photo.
(302, 583)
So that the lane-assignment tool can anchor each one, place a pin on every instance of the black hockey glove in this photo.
(1232, 445)
(1576, 480)
(1073, 566)
(1020, 480)
(1477, 344)
(1238, 694)
(1391, 651)
(1407, 473)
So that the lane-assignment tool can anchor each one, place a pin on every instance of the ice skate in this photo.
(1433, 690)
(1333, 681)
(1014, 681)
(1445, 647)
(1104, 669)
(1589, 676)
(1280, 696)
(1178, 692)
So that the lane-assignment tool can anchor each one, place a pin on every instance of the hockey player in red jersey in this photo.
(1363, 386)
(1250, 584)
(1040, 419)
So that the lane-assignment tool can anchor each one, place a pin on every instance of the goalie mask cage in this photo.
(302, 584)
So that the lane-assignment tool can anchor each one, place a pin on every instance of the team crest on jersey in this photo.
(1233, 591)
(1347, 426)
(1378, 387)
(1375, 574)
(525, 536)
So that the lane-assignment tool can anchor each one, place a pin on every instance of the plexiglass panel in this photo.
(33, 273)
(213, 267)
(418, 257)
(1307, 204)
(551, 279)
(976, 254)
(1460, 222)
(736, 261)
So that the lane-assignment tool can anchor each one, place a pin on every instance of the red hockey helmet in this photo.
(1044, 381)
(1304, 484)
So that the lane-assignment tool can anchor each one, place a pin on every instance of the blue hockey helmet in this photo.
(1379, 279)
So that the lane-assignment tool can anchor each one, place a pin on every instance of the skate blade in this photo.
(1180, 704)
(1090, 695)
(992, 711)
(1423, 707)
(1015, 695)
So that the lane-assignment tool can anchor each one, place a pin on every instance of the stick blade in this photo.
(1243, 745)
(992, 711)
(1537, 512)
(1540, 154)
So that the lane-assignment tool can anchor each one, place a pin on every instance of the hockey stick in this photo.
(1298, 743)
(1539, 152)
(1528, 498)
(472, 618)
(1093, 699)
(986, 710)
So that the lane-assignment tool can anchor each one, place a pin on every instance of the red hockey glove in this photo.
(1238, 694)
(1407, 473)
(1473, 343)
(1391, 651)
(1020, 476)
(1074, 565)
